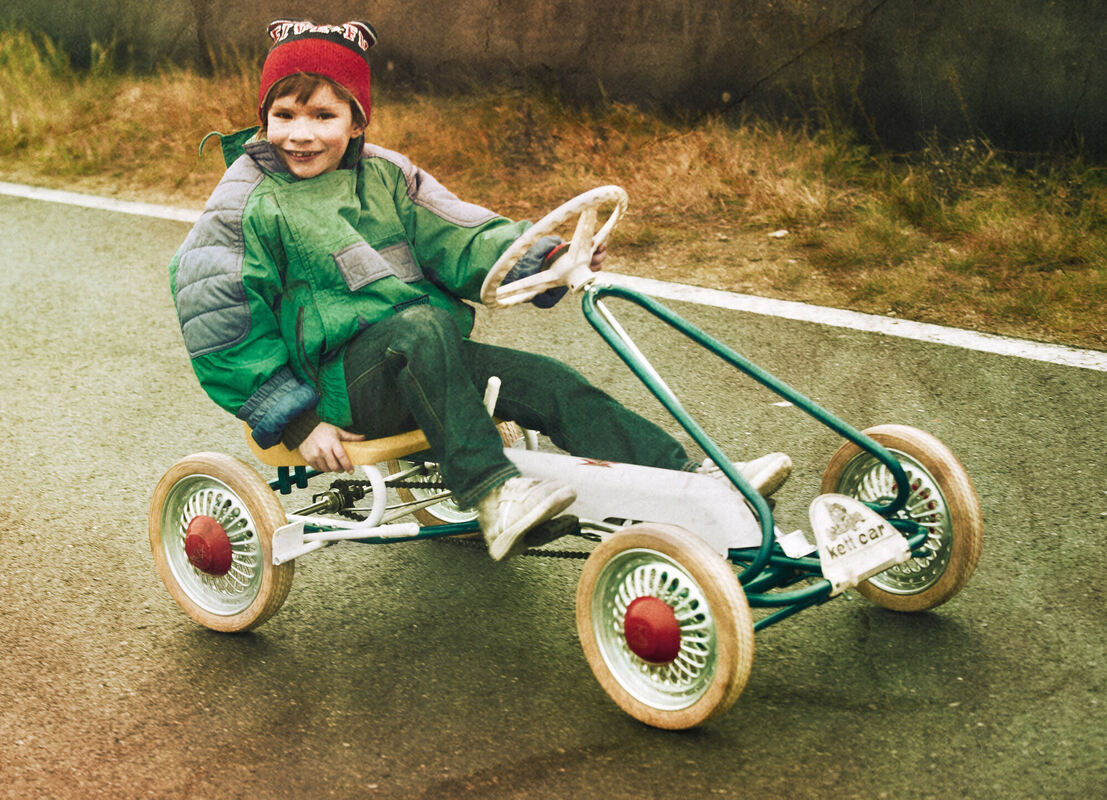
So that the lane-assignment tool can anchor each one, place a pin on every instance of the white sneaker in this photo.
(517, 505)
(765, 474)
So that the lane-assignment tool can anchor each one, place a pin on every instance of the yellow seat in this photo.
(371, 451)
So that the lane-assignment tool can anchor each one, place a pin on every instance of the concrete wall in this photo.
(1029, 74)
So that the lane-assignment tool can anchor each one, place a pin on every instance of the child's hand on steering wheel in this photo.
(323, 450)
(598, 257)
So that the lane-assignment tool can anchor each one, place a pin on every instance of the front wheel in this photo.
(665, 626)
(212, 520)
(942, 500)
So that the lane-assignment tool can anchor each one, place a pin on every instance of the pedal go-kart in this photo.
(663, 604)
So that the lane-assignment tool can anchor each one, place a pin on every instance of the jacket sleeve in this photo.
(455, 241)
(225, 283)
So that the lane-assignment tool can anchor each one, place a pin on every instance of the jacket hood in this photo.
(232, 144)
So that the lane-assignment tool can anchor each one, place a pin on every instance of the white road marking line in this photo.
(785, 309)
(839, 318)
(100, 203)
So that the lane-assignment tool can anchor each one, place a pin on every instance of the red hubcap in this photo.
(651, 630)
(207, 546)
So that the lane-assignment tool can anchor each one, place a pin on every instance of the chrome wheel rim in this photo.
(867, 479)
(638, 573)
(223, 595)
(448, 511)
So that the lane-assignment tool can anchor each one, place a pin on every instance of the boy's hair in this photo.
(301, 86)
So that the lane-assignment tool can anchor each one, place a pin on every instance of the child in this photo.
(320, 299)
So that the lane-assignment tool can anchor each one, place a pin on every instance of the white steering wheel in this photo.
(572, 268)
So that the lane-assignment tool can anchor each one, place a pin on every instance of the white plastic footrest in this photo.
(854, 541)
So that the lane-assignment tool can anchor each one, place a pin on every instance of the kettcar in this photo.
(663, 604)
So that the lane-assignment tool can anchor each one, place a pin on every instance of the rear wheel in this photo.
(211, 524)
(447, 511)
(665, 625)
(942, 500)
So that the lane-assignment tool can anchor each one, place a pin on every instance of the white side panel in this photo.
(703, 505)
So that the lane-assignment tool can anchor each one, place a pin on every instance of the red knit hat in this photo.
(338, 52)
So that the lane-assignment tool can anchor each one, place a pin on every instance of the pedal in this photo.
(854, 542)
(552, 530)
(794, 544)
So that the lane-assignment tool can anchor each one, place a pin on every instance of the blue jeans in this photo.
(415, 369)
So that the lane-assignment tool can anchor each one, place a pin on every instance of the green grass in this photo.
(956, 233)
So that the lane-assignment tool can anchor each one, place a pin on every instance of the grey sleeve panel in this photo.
(211, 299)
(402, 261)
(425, 191)
(360, 264)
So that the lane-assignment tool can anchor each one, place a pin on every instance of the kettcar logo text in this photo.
(848, 532)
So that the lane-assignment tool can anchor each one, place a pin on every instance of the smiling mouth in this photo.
(300, 155)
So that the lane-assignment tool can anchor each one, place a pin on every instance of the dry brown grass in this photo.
(953, 234)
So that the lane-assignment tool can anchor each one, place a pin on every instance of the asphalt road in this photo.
(425, 670)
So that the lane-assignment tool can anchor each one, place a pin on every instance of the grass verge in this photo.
(956, 233)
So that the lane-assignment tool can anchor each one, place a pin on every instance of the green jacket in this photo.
(279, 274)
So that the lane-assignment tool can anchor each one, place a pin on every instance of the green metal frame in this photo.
(767, 570)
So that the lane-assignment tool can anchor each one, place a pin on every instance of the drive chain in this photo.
(533, 551)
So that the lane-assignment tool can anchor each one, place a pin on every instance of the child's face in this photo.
(311, 137)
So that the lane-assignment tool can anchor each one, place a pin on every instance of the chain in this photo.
(396, 484)
(348, 491)
(533, 551)
(416, 485)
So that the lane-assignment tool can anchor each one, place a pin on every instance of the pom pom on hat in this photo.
(338, 52)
